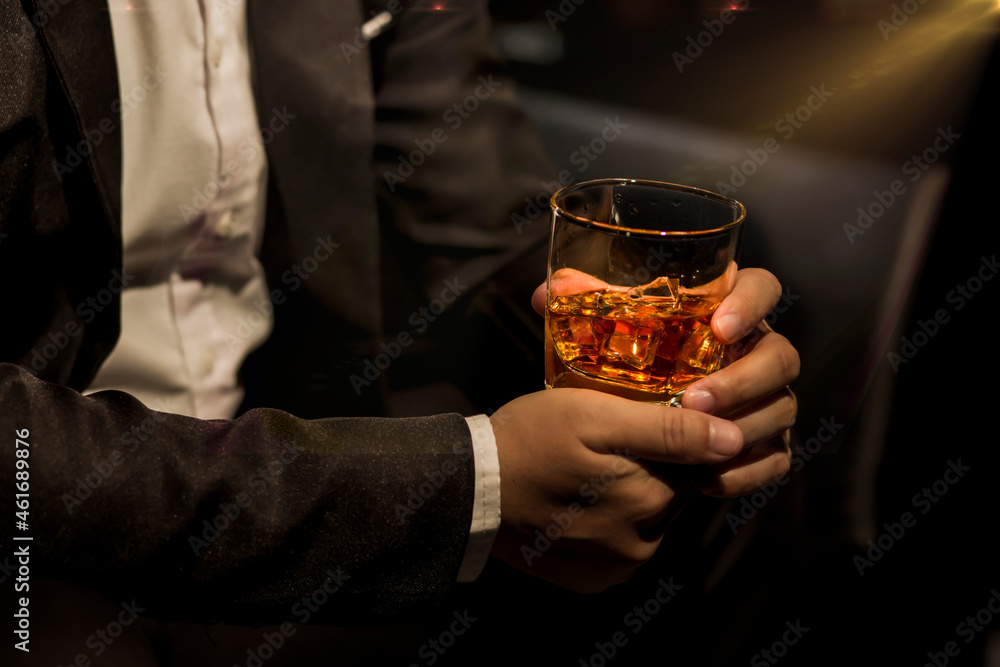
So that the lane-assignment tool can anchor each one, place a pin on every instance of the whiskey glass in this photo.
(635, 270)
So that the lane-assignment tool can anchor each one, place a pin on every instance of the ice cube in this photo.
(702, 351)
(575, 337)
(666, 287)
(634, 343)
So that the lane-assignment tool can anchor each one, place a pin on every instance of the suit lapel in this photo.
(321, 161)
(78, 39)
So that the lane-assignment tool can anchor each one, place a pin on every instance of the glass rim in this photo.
(639, 231)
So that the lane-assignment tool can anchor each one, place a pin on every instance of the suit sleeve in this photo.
(241, 521)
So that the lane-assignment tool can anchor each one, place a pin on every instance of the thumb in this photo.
(608, 424)
(655, 432)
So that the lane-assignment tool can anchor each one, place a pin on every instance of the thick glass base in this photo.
(582, 382)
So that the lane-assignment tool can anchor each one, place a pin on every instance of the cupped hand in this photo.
(751, 391)
(586, 488)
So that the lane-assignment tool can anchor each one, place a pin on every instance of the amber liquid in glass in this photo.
(635, 345)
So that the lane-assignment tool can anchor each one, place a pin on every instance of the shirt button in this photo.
(216, 52)
(207, 362)
(225, 227)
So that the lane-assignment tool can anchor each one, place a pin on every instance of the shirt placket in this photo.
(226, 193)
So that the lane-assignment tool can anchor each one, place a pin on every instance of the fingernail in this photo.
(729, 327)
(725, 438)
(699, 399)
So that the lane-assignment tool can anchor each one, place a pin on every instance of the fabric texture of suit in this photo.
(237, 520)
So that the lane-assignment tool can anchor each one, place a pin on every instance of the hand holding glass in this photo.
(636, 269)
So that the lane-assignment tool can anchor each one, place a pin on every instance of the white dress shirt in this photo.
(193, 189)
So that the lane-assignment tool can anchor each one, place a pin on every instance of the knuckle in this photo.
(730, 387)
(681, 428)
(783, 462)
(744, 481)
(735, 483)
(788, 359)
(784, 466)
(638, 554)
(736, 490)
(673, 428)
(641, 508)
(789, 411)
(770, 285)
(735, 387)
(647, 505)
(773, 284)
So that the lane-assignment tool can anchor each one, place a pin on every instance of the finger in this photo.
(680, 482)
(538, 299)
(571, 281)
(766, 462)
(611, 424)
(754, 296)
(771, 365)
(565, 282)
(768, 418)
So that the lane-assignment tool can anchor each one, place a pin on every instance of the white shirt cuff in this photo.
(486, 502)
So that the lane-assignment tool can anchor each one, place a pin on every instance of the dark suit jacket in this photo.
(239, 520)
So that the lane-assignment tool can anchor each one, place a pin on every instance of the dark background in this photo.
(895, 91)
